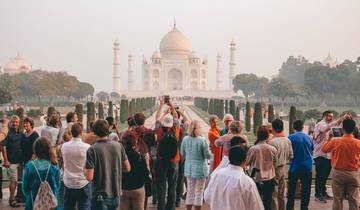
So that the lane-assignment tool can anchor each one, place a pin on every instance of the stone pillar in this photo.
(232, 64)
(116, 64)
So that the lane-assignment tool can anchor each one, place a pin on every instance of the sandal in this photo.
(13, 203)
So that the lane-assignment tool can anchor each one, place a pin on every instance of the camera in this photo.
(337, 132)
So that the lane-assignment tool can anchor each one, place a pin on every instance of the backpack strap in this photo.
(47, 173)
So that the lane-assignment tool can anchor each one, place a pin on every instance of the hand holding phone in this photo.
(337, 132)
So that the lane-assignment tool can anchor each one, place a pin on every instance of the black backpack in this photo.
(167, 147)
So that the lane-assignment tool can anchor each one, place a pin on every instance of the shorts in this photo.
(13, 172)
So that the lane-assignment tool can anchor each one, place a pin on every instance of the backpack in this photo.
(168, 146)
(45, 198)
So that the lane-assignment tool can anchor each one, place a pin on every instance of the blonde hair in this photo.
(236, 127)
(195, 128)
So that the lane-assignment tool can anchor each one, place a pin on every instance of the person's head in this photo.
(298, 125)
(168, 121)
(139, 119)
(235, 127)
(270, 129)
(277, 126)
(213, 121)
(76, 130)
(91, 125)
(101, 128)
(195, 128)
(356, 133)
(15, 122)
(130, 121)
(28, 124)
(228, 119)
(130, 139)
(237, 140)
(349, 126)
(262, 134)
(43, 150)
(150, 139)
(328, 116)
(237, 155)
(54, 121)
(110, 120)
(71, 117)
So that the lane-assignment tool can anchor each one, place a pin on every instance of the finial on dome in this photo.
(174, 23)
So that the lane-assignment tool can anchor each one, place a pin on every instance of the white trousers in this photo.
(195, 191)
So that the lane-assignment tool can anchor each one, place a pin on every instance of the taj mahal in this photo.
(175, 70)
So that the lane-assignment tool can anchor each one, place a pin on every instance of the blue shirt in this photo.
(195, 152)
(302, 147)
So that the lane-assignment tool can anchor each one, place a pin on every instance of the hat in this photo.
(168, 121)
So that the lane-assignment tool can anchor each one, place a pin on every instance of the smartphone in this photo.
(166, 99)
(337, 132)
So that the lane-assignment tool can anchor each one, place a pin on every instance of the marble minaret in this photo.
(130, 73)
(219, 74)
(232, 64)
(116, 64)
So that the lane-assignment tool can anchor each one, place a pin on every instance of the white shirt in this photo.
(51, 133)
(230, 188)
(74, 157)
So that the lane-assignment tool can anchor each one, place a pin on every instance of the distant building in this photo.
(330, 61)
(16, 65)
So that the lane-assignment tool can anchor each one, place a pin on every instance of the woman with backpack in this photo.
(133, 182)
(195, 151)
(41, 179)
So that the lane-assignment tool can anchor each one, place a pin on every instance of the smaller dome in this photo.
(193, 54)
(10, 65)
(156, 55)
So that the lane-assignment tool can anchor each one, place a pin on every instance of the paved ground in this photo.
(149, 123)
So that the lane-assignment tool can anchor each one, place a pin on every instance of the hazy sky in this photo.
(77, 36)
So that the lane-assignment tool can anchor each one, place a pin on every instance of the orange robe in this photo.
(214, 133)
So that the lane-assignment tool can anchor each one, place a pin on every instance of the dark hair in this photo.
(30, 121)
(237, 155)
(150, 139)
(131, 121)
(237, 140)
(349, 126)
(277, 125)
(54, 121)
(262, 134)
(101, 128)
(356, 132)
(298, 125)
(110, 120)
(139, 118)
(76, 129)
(129, 139)
(69, 116)
(327, 112)
(91, 125)
(43, 149)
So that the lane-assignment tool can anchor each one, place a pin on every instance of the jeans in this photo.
(166, 175)
(81, 197)
(105, 203)
(305, 180)
(266, 193)
(323, 168)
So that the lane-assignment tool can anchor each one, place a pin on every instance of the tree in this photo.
(247, 83)
(79, 110)
(226, 106)
(123, 110)
(111, 109)
(248, 117)
(102, 96)
(283, 89)
(257, 116)
(100, 110)
(115, 95)
(237, 113)
(271, 113)
(90, 114)
(5, 96)
(292, 118)
(232, 108)
(294, 69)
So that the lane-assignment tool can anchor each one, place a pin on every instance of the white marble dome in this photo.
(175, 43)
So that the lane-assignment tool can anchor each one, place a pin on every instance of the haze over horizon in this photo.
(77, 36)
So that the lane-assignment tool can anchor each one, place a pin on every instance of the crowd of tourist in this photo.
(63, 167)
